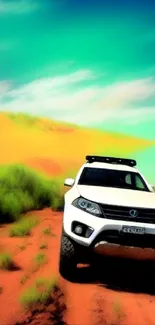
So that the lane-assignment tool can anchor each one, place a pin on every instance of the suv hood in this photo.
(117, 196)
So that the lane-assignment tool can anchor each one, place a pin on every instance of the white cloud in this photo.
(123, 93)
(4, 87)
(17, 6)
(44, 86)
(132, 116)
(78, 98)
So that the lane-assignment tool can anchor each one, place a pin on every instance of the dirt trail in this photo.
(111, 295)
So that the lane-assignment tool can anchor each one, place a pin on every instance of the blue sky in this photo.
(89, 62)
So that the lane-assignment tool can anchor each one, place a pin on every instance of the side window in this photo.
(128, 179)
(139, 183)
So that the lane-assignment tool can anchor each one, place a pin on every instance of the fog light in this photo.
(78, 230)
(82, 230)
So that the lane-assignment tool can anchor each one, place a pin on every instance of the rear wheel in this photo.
(68, 258)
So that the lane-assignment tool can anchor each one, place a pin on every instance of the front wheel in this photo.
(68, 258)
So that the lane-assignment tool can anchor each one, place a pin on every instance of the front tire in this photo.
(68, 258)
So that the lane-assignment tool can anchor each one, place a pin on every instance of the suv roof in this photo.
(111, 163)
(110, 166)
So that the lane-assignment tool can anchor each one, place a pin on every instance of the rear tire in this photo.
(67, 259)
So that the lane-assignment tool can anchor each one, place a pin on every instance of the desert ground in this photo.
(95, 297)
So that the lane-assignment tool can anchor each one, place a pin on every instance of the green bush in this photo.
(43, 245)
(23, 227)
(57, 200)
(24, 278)
(22, 190)
(40, 259)
(48, 231)
(6, 261)
(23, 119)
(39, 294)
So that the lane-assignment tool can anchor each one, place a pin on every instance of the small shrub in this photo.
(118, 310)
(22, 247)
(43, 246)
(39, 294)
(48, 231)
(23, 227)
(45, 282)
(57, 200)
(24, 279)
(13, 204)
(40, 259)
(6, 261)
(22, 190)
(23, 119)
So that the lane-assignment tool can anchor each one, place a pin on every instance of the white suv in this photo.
(109, 210)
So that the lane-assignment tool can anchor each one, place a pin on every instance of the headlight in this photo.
(87, 206)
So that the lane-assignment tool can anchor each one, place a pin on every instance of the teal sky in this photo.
(87, 62)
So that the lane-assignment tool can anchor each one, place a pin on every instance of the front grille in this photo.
(123, 213)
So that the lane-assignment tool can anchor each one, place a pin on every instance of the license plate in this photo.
(133, 230)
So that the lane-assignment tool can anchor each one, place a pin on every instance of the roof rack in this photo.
(112, 160)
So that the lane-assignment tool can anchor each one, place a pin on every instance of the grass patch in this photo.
(23, 119)
(40, 293)
(43, 246)
(22, 247)
(22, 189)
(48, 231)
(24, 278)
(29, 120)
(118, 310)
(23, 227)
(6, 261)
(40, 259)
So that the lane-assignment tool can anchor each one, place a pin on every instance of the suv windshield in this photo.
(112, 178)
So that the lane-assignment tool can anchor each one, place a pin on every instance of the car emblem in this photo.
(133, 213)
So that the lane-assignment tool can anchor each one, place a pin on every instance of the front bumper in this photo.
(107, 237)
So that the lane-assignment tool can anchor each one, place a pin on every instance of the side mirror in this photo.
(69, 182)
